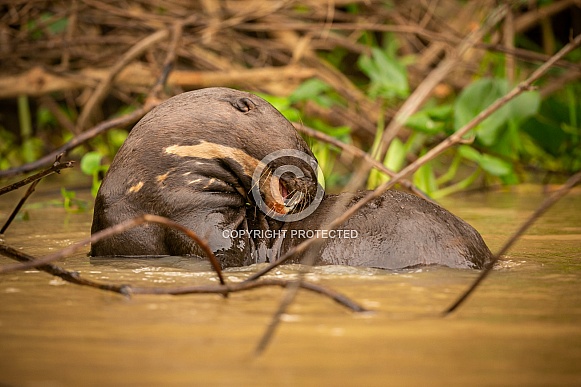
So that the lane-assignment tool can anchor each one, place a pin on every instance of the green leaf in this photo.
(479, 95)
(441, 113)
(58, 26)
(491, 164)
(395, 156)
(495, 166)
(469, 153)
(422, 122)
(425, 179)
(95, 186)
(32, 149)
(280, 103)
(308, 90)
(44, 117)
(388, 76)
(524, 106)
(116, 137)
(91, 163)
(474, 99)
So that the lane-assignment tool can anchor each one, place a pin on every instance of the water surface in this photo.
(522, 327)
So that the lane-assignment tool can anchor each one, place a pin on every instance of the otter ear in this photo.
(244, 104)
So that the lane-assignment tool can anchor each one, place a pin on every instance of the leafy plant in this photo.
(91, 165)
(387, 74)
(71, 203)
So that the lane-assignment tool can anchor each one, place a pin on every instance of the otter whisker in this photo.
(292, 199)
(267, 170)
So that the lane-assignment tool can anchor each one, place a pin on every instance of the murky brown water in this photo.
(523, 327)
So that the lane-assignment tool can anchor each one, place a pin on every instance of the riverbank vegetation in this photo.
(392, 78)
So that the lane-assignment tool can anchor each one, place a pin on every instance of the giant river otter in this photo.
(229, 166)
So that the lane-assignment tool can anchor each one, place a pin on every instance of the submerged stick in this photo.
(224, 289)
(116, 229)
(552, 199)
(237, 287)
(69, 276)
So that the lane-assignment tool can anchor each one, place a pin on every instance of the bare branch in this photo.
(56, 167)
(422, 92)
(28, 192)
(101, 90)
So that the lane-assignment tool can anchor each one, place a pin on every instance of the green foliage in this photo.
(52, 25)
(394, 160)
(71, 203)
(387, 74)
(8, 154)
(91, 165)
(481, 94)
(555, 133)
(31, 146)
(493, 165)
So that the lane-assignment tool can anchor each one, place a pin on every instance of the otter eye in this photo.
(244, 104)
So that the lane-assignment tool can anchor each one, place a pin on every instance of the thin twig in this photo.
(152, 100)
(430, 35)
(240, 286)
(422, 92)
(555, 197)
(508, 37)
(28, 192)
(454, 139)
(37, 81)
(49, 102)
(169, 60)
(56, 167)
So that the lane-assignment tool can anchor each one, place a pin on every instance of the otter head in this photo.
(228, 135)
(204, 158)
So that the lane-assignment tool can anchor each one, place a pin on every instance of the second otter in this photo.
(192, 159)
